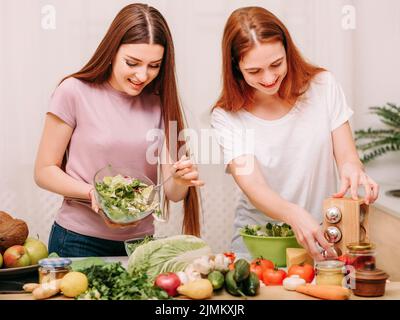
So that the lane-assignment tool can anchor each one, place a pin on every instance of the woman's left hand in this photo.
(185, 173)
(352, 176)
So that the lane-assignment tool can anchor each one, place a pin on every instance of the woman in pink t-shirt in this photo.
(103, 115)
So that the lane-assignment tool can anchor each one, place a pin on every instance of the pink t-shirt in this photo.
(110, 127)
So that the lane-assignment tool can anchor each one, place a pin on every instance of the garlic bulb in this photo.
(183, 277)
(204, 265)
(191, 273)
(292, 282)
(221, 262)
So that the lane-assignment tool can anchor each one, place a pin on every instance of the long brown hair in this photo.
(133, 25)
(238, 39)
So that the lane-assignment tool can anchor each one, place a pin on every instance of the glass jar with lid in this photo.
(360, 254)
(53, 269)
(330, 272)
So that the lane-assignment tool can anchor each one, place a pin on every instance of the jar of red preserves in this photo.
(360, 254)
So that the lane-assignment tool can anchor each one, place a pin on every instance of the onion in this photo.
(169, 282)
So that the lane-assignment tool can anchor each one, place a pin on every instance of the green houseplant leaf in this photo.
(377, 142)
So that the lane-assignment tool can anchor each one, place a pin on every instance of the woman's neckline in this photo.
(285, 117)
(116, 92)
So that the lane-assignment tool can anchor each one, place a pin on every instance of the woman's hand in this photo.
(109, 223)
(353, 176)
(310, 234)
(94, 203)
(184, 172)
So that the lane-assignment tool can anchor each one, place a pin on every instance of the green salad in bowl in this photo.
(269, 230)
(269, 241)
(123, 195)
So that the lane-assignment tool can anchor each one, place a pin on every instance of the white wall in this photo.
(33, 60)
(377, 72)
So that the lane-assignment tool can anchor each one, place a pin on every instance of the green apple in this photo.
(36, 250)
(1, 260)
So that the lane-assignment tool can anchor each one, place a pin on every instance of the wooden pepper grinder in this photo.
(345, 221)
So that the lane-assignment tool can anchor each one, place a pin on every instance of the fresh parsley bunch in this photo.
(113, 282)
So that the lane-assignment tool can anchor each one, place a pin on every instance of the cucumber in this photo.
(242, 270)
(251, 285)
(231, 286)
(217, 279)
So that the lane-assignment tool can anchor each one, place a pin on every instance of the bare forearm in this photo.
(53, 179)
(344, 148)
(348, 160)
(269, 202)
(306, 228)
(175, 192)
(259, 192)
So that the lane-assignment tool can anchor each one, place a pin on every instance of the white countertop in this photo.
(387, 203)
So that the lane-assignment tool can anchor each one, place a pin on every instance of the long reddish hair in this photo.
(133, 25)
(238, 39)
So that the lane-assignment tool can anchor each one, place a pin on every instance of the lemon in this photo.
(73, 284)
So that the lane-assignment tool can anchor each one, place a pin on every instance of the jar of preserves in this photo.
(53, 269)
(330, 272)
(359, 254)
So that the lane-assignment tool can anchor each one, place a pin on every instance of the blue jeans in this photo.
(67, 243)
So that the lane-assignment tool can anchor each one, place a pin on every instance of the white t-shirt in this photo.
(295, 152)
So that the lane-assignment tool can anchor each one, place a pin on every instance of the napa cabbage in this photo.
(170, 254)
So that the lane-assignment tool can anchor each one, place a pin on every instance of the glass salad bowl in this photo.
(122, 194)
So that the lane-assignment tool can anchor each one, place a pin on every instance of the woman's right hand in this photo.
(310, 234)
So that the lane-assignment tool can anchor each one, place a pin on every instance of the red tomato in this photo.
(230, 255)
(343, 258)
(305, 272)
(257, 269)
(347, 260)
(264, 263)
(274, 277)
(231, 266)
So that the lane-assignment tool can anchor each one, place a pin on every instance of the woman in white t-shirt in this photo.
(282, 123)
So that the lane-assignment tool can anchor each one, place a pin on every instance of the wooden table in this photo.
(266, 292)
